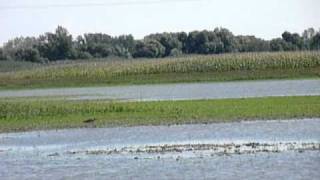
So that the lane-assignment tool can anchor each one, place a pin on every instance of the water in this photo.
(180, 91)
(290, 165)
(46, 154)
(82, 139)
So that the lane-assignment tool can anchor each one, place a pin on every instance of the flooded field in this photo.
(286, 149)
(180, 91)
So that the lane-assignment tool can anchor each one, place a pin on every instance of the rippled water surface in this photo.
(44, 154)
(181, 91)
(257, 131)
(289, 165)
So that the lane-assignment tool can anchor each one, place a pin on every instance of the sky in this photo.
(263, 18)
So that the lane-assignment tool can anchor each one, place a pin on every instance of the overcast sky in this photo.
(263, 18)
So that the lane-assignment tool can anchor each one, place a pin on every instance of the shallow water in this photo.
(307, 130)
(180, 91)
(46, 154)
(289, 165)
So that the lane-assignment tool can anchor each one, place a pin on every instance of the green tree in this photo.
(277, 44)
(11, 47)
(315, 42)
(2, 55)
(227, 38)
(175, 52)
(252, 44)
(28, 54)
(196, 41)
(293, 41)
(169, 41)
(56, 46)
(307, 35)
(149, 48)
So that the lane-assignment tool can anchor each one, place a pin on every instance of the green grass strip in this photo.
(22, 115)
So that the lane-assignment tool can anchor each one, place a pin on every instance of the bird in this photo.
(91, 120)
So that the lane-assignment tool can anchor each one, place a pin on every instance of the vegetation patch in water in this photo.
(22, 115)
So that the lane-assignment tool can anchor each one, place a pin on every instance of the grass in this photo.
(24, 115)
(226, 67)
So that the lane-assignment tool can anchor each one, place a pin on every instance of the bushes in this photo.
(84, 55)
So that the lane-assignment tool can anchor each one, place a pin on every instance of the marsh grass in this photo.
(22, 115)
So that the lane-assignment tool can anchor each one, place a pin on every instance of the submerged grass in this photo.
(22, 115)
(240, 66)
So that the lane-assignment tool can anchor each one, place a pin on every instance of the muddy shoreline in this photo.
(213, 149)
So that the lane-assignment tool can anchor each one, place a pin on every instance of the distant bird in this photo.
(91, 120)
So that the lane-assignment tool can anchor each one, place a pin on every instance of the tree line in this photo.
(60, 45)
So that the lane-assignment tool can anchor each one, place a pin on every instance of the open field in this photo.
(227, 67)
(30, 114)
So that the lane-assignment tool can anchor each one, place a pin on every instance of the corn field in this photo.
(100, 70)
